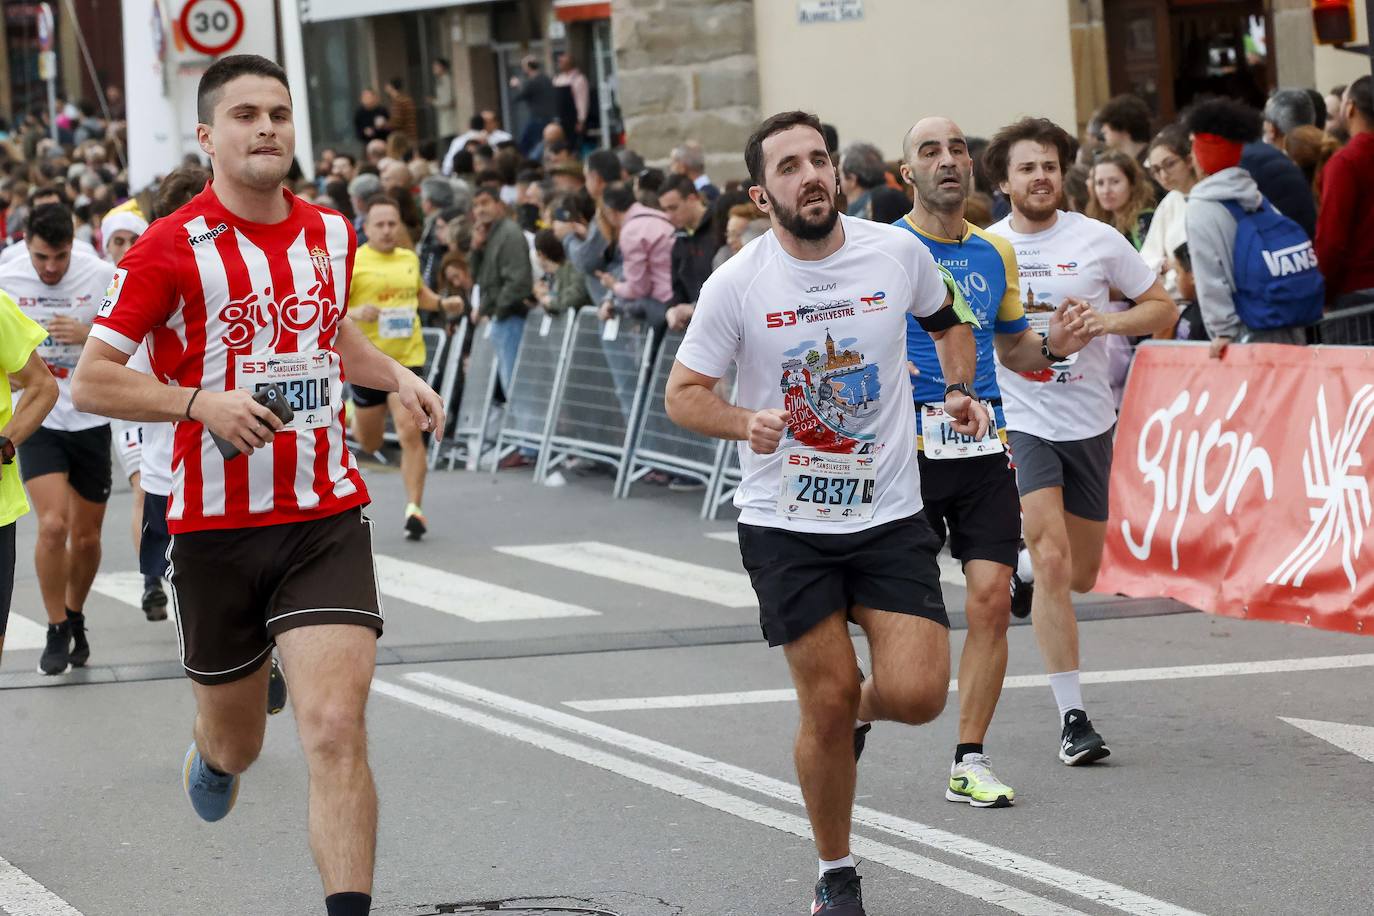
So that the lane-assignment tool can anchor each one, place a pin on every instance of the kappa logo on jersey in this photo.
(320, 258)
(208, 236)
(291, 315)
(112, 293)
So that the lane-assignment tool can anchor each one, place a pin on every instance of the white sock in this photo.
(860, 723)
(846, 862)
(1068, 694)
(1024, 572)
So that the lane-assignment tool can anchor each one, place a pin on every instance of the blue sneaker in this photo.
(211, 794)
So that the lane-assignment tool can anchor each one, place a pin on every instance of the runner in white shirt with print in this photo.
(813, 315)
(1060, 420)
(66, 463)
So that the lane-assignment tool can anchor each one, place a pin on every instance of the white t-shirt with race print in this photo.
(1085, 259)
(825, 340)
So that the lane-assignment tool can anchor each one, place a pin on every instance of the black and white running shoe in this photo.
(838, 894)
(1080, 742)
(1021, 593)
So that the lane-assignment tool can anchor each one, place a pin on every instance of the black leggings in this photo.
(6, 574)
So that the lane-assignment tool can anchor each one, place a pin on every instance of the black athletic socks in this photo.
(349, 903)
(962, 749)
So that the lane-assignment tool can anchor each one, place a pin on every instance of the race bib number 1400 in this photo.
(827, 487)
(305, 378)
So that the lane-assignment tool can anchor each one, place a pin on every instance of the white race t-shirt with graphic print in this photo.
(825, 340)
(1085, 259)
(77, 295)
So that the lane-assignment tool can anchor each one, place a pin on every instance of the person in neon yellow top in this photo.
(384, 300)
(19, 339)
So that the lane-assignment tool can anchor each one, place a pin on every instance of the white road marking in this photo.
(20, 895)
(460, 596)
(125, 587)
(649, 570)
(23, 633)
(972, 885)
(1101, 892)
(1128, 675)
(951, 570)
(1357, 739)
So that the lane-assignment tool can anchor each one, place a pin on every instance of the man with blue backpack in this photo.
(1256, 271)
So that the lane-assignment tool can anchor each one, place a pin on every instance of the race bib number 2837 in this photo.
(826, 487)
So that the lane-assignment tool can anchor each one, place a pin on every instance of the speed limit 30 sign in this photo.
(212, 26)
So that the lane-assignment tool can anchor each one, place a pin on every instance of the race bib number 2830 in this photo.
(827, 487)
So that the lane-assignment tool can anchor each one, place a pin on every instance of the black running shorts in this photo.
(374, 397)
(973, 503)
(233, 591)
(1083, 469)
(83, 456)
(801, 579)
(6, 574)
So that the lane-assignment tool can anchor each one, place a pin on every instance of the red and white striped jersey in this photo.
(224, 304)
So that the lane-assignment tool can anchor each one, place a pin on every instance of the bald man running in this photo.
(967, 484)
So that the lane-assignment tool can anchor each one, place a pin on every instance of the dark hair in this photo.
(508, 163)
(997, 158)
(462, 163)
(887, 205)
(352, 159)
(1318, 108)
(231, 68)
(486, 190)
(45, 191)
(487, 178)
(605, 163)
(618, 197)
(1129, 113)
(1173, 138)
(651, 180)
(1076, 188)
(557, 146)
(681, 184)
(547, 244)
(337, 190)
(443, 62)
(52, 223)
(177, 189)
(1184, 259)
(476, 122)
(1361, 94)
(1226, 118)
(396, 83)
(832, 138)
(783, 120)
(380, 200)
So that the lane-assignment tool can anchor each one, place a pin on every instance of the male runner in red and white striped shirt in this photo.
(244, 287)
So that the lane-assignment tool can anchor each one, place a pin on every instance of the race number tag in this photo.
(60, 357)
(395, 324)
(826, 487)
(1040, 323)
(305, 378)
(941, 442)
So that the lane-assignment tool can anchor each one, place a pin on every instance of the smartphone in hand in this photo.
(274, 399)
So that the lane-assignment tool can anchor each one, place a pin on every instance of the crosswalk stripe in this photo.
(634, 567)
(126, 587)
(730, 537)
(23, 633)
(951, 570)
(460, 596)
(20, 895)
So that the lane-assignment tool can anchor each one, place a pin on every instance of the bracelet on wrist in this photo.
(194, 395)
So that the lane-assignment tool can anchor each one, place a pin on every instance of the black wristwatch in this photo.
(6, 450)
(1045, 351)
(960, 387)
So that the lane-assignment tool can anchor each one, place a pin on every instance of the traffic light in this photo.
(1333, 21)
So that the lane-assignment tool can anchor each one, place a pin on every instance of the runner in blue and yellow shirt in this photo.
(968, 486)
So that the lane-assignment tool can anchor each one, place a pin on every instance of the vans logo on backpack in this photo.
(1292, 260)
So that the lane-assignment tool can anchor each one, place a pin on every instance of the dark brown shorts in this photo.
(234, 591)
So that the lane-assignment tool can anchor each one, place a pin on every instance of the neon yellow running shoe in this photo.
(973, 782)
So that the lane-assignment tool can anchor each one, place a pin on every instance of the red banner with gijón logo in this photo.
(1242, 486)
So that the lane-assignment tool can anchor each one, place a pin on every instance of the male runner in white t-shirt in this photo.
(813, 315)
(1061, 420)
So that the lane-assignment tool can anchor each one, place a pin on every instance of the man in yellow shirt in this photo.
(384, 301)
(19, 340)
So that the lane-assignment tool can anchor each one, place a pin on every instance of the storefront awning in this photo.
(581, 10)
(329, 10)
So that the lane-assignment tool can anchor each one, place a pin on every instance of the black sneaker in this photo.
(1080, 742)
(838, 894)
(1021, 592)
(81, 650)
(155, 603)
(276, 690)
(415, 526)
(57, 654)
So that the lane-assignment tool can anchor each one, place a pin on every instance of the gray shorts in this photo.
(1081, 468)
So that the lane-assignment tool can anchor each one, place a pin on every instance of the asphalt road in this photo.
(575, 711)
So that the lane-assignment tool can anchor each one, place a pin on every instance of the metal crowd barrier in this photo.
(659, 443)
(598, 395)
(447, 377)
(472, 430)
(539, 366)
(725, 479)
(1347, 327)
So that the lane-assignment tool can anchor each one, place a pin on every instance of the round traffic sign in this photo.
(212, 26)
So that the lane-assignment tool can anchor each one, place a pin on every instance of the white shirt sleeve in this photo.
(927, 283)
(1126, 270)
(715, 332)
